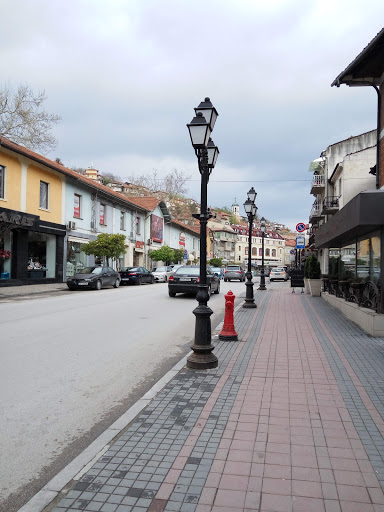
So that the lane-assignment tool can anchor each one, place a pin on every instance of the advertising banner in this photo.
(157, 228)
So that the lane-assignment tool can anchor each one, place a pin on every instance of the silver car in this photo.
(161, 274)
(278, 273)
(234, 272)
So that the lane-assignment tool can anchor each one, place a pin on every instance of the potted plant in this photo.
(314, 276)
(306, 274)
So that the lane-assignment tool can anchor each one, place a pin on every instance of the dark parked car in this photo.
(94, 277)
(186, 280)
(136, 275)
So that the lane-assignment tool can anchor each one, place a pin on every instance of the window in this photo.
(267, 252)
(246, 251)
(138, 227)
(2, 182)
(239, 248)
(102, 214)
(260, 251)
(122, 221)
(44, 195)
(76, 206)
(274, 253)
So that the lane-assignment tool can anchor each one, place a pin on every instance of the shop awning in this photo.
(362, 215)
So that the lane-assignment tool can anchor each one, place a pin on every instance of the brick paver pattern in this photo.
(292, 420)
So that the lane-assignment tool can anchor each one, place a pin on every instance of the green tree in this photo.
(178, 255)
(106, 246)
(216, 262)
(165, 254)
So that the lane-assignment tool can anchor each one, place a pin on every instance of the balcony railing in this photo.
(318, 183)
(315, 213)
(330, 205)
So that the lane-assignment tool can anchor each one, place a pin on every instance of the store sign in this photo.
(18, 218)
(182, 239)
(139, 245)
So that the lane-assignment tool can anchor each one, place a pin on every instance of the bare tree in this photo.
(23, 119)
(172, 184)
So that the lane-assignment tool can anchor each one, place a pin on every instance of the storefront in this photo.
(76, 258)
(31, 250)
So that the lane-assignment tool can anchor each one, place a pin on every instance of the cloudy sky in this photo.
(125, 76)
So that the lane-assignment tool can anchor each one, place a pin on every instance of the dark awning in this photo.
(362, 215)
(367, 66)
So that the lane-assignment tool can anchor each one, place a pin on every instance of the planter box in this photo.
(315, 287)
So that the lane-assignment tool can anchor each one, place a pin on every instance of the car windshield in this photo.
(159, 269)
(91, 270)
(216, 269)
(233, 268)
(190, 271)
(278, 270)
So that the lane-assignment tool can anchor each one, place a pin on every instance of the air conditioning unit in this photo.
(71, 225)
(150, 241)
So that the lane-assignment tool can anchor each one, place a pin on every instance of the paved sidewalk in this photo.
(292, 420)
(31, 289)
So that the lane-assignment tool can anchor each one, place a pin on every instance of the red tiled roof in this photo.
(21, 150)
(148, 203)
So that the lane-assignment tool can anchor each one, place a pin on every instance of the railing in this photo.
(331, 203)
(366, 295)
(316, 210)
(318, 182)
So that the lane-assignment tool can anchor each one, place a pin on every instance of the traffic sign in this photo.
(300, 227)
(300, 242)
(292, 251)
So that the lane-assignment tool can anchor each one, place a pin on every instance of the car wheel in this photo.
(218, 288)
(172, 294)
(98, 285)
(270, 280)
(153, 280)
(225, 280)
(165, 279)
(139, 280)
(209, 291)
(117, 283)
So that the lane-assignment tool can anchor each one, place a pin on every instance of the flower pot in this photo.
(315, 287)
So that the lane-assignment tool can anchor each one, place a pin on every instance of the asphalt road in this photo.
(74, 362)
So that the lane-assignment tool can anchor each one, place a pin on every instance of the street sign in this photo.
(300, 242)
(300, 227)
(292, 251)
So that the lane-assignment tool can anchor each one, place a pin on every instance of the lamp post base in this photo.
(202, 357)
(249, 299)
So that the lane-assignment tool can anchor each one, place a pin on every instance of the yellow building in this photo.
(32, 230)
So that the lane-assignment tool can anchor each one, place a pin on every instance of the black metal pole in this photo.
(202, 357)
(262, 276)
(249, 300)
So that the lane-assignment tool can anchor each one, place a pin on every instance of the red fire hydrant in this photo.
(228, 332)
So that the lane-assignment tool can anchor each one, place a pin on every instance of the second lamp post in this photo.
(251, 210)
(262, 275)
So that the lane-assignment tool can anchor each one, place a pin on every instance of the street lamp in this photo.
(200, 129)
(262, 276)
(251, 210)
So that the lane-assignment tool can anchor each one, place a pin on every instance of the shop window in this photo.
(77, 206)
(102, 215)
(44, 195)
(41, 255)
(122, 221)
(76, 259)
(2, 182)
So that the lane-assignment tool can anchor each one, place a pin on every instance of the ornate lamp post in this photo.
(251, 210)
(262, 276)
(200, 129)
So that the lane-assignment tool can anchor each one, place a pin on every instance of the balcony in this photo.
(316, 213)
(330, 205)
(318, 183)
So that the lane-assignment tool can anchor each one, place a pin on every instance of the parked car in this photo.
(234, 272)
(278, 273)
(161, 274)
(174, 268)
(218, 271)
(186, 280)
(136, 275)
(94, 277)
